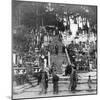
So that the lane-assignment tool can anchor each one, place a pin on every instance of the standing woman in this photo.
(43, 82)
(73, 79)
(55, 80)
(46, 82)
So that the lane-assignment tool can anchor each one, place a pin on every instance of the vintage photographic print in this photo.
(54, 49)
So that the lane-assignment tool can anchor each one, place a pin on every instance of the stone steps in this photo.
(63, 88)
(62, 82)
(58, 59)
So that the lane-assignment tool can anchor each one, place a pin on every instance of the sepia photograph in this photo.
(54, 49)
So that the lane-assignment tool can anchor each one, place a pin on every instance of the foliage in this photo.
(21, 39)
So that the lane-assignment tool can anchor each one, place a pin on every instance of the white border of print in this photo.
(5, 48)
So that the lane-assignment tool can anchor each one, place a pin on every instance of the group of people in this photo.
(78, 54)
(56, 49)
(44, 80)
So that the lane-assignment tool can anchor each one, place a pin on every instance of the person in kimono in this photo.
(56, 49)
(43, 82)
(73, 79)
(55, 80)
(89, 82)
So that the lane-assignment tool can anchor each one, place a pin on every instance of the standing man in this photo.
(46, 81)
(55, 80)
(63, 49)
(56, 49)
